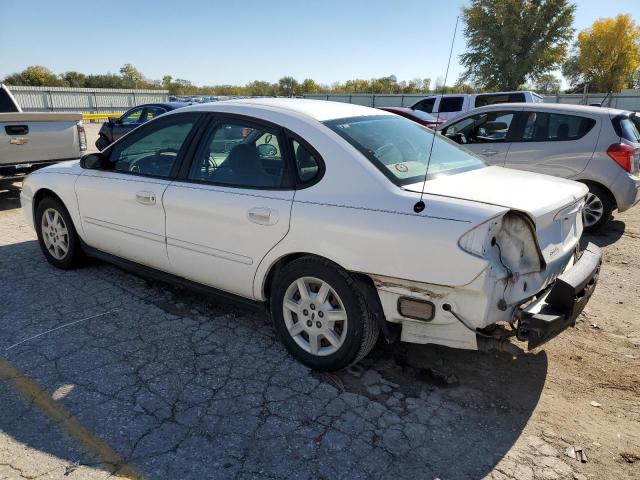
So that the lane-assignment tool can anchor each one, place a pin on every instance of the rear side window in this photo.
(491, 99)
(425, 105)
(451, 104)
(552, 127)
(626, 128)
(307, 164)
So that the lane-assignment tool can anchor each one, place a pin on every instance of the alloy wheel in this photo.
(55, 234)
(315, 316)
(593, 210)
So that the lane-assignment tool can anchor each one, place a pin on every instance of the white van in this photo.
(452, 105)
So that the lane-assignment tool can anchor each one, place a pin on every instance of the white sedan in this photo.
(314, 209)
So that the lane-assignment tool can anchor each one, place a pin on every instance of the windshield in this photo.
(400, 148)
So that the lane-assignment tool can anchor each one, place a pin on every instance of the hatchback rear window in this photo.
(400, 148)
(626, 128)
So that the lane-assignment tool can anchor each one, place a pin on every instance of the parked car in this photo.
(449, 106)
(132, 118)
(312, 209)
(30, 140)
(417, 116)
(597, 146)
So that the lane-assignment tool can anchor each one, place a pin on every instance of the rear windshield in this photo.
(626, 128)
(492, 99)
(400, 148)
(427, 117)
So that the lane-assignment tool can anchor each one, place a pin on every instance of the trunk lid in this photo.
(547, 200)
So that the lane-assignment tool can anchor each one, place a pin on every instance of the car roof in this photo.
(396, 109)
(320, 110)
(564, 107)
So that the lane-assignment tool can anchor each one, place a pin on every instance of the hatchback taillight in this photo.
(622, 154)
(82, 137)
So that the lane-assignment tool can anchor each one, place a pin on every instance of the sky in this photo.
(235, 42)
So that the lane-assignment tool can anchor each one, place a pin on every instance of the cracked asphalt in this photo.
(172, 384)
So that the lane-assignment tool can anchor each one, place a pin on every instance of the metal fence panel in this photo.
(83, 100)
(628, 100)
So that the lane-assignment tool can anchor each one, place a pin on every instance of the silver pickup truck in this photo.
(29, 140)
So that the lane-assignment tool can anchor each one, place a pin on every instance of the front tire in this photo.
(57, 236)
(597, 210)
(321, 316)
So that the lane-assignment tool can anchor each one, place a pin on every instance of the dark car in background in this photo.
(418, 116)
(117, 127)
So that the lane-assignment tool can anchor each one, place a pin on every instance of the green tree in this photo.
(131, 76)
(607, 54)
(547, 84)
(74, 79)
(288, 87)
(309, 86)
(510, 41)
(35, 76)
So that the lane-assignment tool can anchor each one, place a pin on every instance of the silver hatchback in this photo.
(599, 147)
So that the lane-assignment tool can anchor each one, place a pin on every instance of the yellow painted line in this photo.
(99, 116)
(97, 447)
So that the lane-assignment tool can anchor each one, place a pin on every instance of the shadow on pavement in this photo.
(611, 233)
(184, 387)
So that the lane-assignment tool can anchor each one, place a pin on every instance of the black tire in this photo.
(102, 143)
(603, 199)
(361, 328)
(74, 254)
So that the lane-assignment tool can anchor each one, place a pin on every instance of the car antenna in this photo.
(419, 206)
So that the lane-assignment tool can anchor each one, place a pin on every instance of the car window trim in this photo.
(213, 120)
(135, 134)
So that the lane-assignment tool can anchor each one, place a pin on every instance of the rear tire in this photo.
(321, 316)
(57, 236)
(597, 210)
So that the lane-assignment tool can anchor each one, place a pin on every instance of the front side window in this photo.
(425, 105)
(239, 154)
(133, 116)
(451, 104)
(154, 150)
(400, 148)
(552, 127)
(489, 127)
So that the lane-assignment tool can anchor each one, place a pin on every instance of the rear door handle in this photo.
(16, 129)
(490, 153)
(263, 216)
(146, 198)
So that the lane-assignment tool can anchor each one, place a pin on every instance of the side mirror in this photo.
(267, 150)
(94, 161)
(113, 120)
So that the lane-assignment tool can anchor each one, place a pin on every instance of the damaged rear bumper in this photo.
(558, 308)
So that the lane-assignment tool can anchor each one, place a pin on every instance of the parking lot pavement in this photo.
(104, 373)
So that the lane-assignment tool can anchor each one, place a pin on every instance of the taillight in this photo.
(82, 137)
(622, 154)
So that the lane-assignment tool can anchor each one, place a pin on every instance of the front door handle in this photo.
(17, 129)
(146, 198)
(263, 216)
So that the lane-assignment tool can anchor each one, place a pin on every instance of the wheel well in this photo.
(41, 195)
(604, 189)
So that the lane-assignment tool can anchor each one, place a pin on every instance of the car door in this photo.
(487, 134)
(127, 122)
(121, 205)
(231, 206)
(553, 143)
